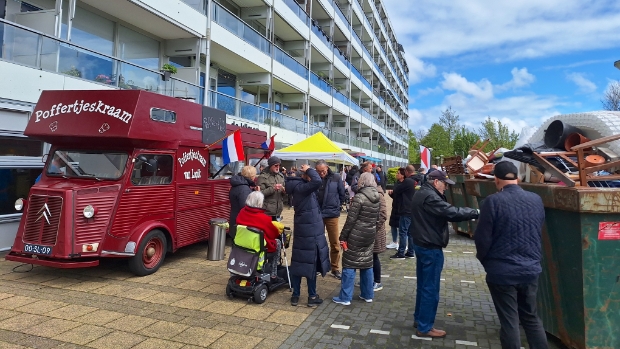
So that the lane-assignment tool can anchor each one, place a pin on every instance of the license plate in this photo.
(37, 249)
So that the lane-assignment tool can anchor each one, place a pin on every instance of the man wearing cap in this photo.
(508, 244)
(430, 215)
(271, 183)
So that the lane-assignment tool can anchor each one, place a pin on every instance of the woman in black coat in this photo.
(242, 185)
(394, 215)
(310, 252)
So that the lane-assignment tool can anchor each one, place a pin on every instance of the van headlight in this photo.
(89, 211)
(19, 204)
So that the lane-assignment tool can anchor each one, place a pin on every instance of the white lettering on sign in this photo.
(193, 174)
(192, 155)
(78, 107)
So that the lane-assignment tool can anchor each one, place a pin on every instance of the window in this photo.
(152, 169)
(138, 49)
(87, 164)
(26, 7)
(18, 146)
(163, 115)
(92, 31)
(15, 184)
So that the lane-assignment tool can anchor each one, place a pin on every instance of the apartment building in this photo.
(288, 67)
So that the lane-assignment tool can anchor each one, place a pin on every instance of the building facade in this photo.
(288, 67)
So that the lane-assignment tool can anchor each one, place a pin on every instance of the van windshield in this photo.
(87, 164)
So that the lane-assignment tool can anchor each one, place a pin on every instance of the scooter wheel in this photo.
(260, 294)
(229, 292)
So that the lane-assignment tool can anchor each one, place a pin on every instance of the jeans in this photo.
(429, 263)
(394, 234)
(376, 267)
(333, 234)
(348, 279)
(296, 284)
(405, 238)
(514, 304)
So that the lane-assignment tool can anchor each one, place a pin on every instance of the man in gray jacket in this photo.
(271, 183)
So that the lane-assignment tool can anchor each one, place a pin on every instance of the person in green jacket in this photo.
(271, 183)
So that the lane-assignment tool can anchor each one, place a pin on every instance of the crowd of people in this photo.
(509, 245)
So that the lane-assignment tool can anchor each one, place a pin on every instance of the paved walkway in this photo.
(183, 305)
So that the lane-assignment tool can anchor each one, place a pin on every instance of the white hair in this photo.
(255, 199)
(367, 179)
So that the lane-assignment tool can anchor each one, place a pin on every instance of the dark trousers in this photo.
(514, 304)
(376, 268)
(429, 263)
(406, 240)
(296, 284)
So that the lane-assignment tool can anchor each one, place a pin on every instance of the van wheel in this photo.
(150, 254)
(260, 294)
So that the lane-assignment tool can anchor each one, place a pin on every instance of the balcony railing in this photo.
(339, 55)
(291, 63)
(340, 97)
(238, 27)
(28, 47)
(338, 137)
(320, 83)
(321, 35)
(359, 76)
(198, 5)
(299, 12)
(357, 39)
(340, 13)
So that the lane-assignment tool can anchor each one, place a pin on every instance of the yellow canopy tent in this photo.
(316, 147)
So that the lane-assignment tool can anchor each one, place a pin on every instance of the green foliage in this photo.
(73, 72)
(414, 149)
(464, 139)
(391, 175)
(498, 134)
(438, 138)
(169, 67)
(450, 122)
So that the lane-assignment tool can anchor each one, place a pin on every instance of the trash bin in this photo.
(458, 197)
(217, 240)
(579, 287)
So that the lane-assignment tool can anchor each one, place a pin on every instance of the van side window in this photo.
(152, 169)
(163, 115)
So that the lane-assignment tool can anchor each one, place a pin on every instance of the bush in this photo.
(391, 175)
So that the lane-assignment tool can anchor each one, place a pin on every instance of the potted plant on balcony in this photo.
(168, 69)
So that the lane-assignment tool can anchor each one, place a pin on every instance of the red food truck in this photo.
(128, 176)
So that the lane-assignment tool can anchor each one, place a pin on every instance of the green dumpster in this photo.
(457, 196)
(579, 288)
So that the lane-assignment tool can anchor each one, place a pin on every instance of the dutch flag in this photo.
(269, 144)
(232, 148)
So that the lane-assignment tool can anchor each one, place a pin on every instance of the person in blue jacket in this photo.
(310, 252)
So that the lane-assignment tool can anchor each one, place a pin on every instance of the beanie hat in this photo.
(273, 160)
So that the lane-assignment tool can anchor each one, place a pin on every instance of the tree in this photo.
(464, 139)
(611, 98)
(498, 134)
(414, 148)
(419, 134)
(438, 138)
(450, 122)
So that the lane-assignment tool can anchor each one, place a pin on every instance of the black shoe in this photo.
(397, 256)
(337, 274)
(294, 301)
(314, 301)
(409, 255)
(415, 324)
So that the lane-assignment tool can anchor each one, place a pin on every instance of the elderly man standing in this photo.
(364, 167)
(331, 196)
(508, 242)
(271, 183)
(430, 215)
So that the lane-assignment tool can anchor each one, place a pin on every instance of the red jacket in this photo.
(256, 218)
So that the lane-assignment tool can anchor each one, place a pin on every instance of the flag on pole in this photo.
(269, 144)
(232, 148)
(425, 157)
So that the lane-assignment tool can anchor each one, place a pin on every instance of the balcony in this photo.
(27, 47)
(240, 29)
(289, 62)
(299, 12)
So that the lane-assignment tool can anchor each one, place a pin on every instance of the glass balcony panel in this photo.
(321, 35)
(288, 122)
(339, 96)
(340, 13)
(339, 55)
(19, 45)
(198, 5)
(299, 12)
(135, 78)
(182, 89)
(236, 26)
(290, 62)
(49, 54)
(320, 83)
(83, 64)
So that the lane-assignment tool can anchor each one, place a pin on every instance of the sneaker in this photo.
(337, 274)
(377, 286)
(366, 300)
(392, 246)
(294, 301)
(397, 256)
(433, 333)
(409, 255)
(357, 284)
(314, 301)
(340, 301)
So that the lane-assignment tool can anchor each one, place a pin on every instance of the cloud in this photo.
(419, 70)
(480, 90)
(585, 85)
(520, 78)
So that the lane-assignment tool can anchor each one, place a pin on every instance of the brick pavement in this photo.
(183, 305)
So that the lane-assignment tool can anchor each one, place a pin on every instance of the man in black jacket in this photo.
(331, 196)
(403, 193)
(382, 178)
(430, 215)
(508, 242)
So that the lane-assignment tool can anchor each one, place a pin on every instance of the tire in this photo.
(147, 261)
(229, 292)
(260, 294)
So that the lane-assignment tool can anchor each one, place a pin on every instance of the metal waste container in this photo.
(217, 239)
(457, 196)
(579, 287)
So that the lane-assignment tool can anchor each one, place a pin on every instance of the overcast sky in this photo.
(517, 61)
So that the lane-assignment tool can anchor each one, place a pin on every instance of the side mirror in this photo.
(151, 165)
(142, 158)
